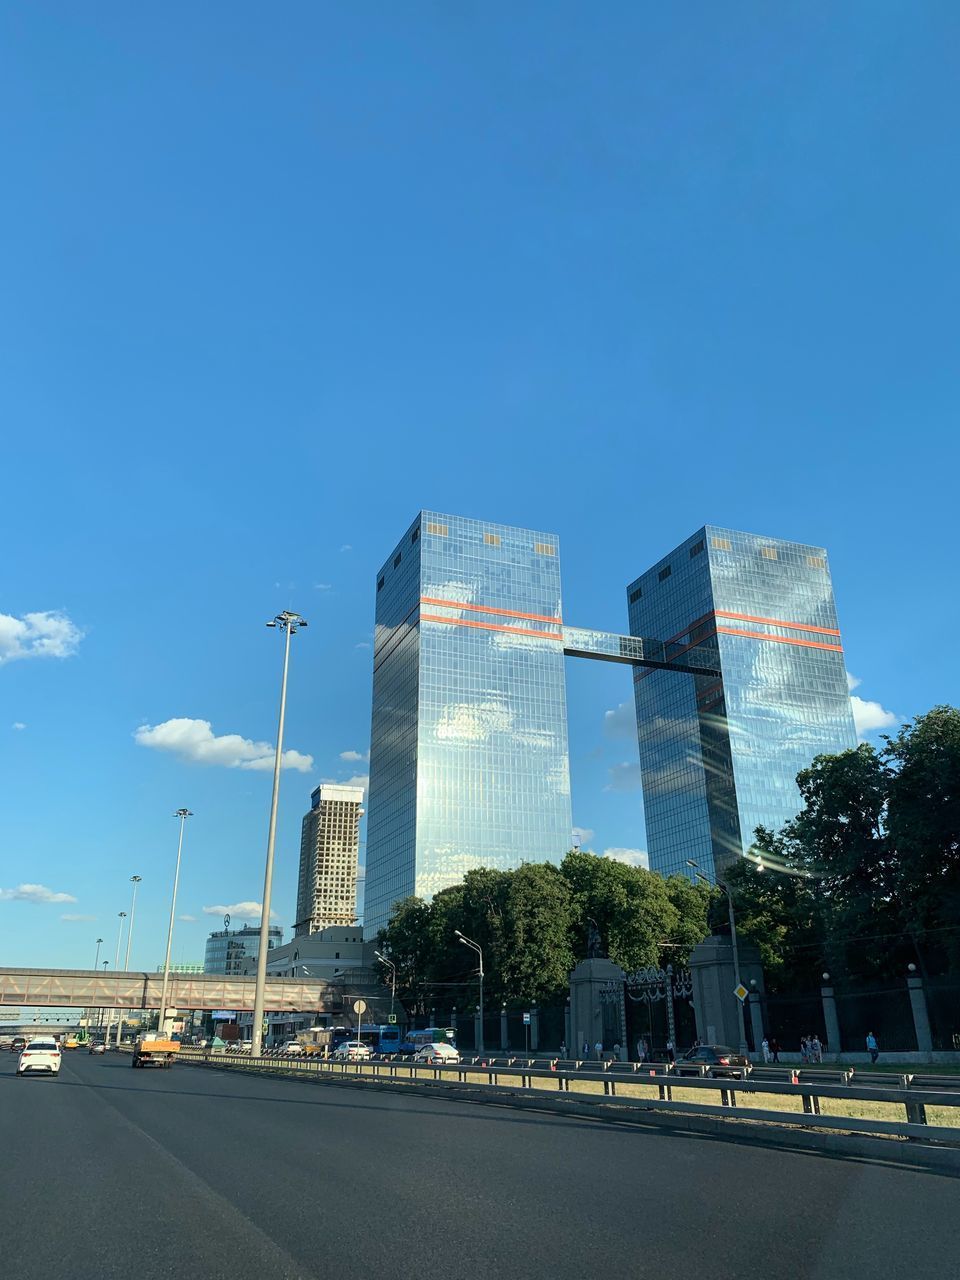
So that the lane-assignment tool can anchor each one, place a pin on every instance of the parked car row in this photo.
(437, 1053)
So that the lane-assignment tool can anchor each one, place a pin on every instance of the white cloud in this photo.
(240, 910)
(34, 893)
(188, 919)
(73, 917)
(621, 722)
(18, 724)
(868, 717)
(583, 834)
(354, 756)
(632, 857)
(358, 780)
(323, 586)
(38, 635)
(624, 777)
(346, 547)
(363, 644)
(195, 741)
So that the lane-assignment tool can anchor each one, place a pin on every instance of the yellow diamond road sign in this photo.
(741, 992)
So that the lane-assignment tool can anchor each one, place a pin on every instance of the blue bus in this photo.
(379, 1039)
(416, 1039)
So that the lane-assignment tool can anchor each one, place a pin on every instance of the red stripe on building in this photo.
(483, 608)
(490, 626)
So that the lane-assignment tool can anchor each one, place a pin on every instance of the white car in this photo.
(440, 1055)
(352, 1051)
(292, 1049)
(40, 1056)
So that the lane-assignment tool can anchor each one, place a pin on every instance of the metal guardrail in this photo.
(522, 1074)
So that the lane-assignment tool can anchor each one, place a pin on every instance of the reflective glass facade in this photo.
(227, 949)
(719, 757)
(468, 757)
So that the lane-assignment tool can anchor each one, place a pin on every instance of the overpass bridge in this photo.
(100, 989)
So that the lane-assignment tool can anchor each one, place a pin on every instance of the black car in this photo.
(19, 1044)
(722, 1062)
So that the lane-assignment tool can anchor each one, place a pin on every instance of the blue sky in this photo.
(275, 279)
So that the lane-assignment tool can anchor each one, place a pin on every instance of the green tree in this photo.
(779, 913)
(407, 941)
(632, 908)
(691, 904)
(923, 821)
(839, 841)
(536, 951)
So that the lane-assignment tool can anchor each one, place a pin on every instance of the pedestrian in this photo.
(641, 1051)
(804, 1049)
(765, 1048)
(775, 1049)
(598, 1050)
(586, 1050)
(872, 1047)
(671, 1051)
(816, 1050)
(563, 1049)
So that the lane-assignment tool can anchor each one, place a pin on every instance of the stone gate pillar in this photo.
(714, 1001)
(831, 1023)
(586, 1014)
(921, 1018)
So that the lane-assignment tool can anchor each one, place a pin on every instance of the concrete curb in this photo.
(904, 1154)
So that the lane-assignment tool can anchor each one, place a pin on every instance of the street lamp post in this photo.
(289, 623)
(135, 880)
(720, 884)
(393, 979)
(475, 946)
(183, 815)
(96, 965)
(116, 966)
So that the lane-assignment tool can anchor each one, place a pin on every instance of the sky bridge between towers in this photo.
(636, 651)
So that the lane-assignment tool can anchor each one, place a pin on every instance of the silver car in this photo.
(352, 1051)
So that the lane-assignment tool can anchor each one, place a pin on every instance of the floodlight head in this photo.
(272, 624)
(457, 933)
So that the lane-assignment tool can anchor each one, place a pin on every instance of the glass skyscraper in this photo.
(468, 754)
(719, 754)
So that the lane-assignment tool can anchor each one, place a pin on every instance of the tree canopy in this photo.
(864, 880)
(532, 924)
(875, 857)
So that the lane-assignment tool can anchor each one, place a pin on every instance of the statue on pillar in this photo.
(595, 949)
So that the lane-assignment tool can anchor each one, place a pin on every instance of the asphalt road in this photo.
(109, 1172)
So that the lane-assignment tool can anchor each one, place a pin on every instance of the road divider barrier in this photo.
(930, 1117)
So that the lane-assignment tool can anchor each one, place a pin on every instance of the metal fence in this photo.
(926, 1115)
